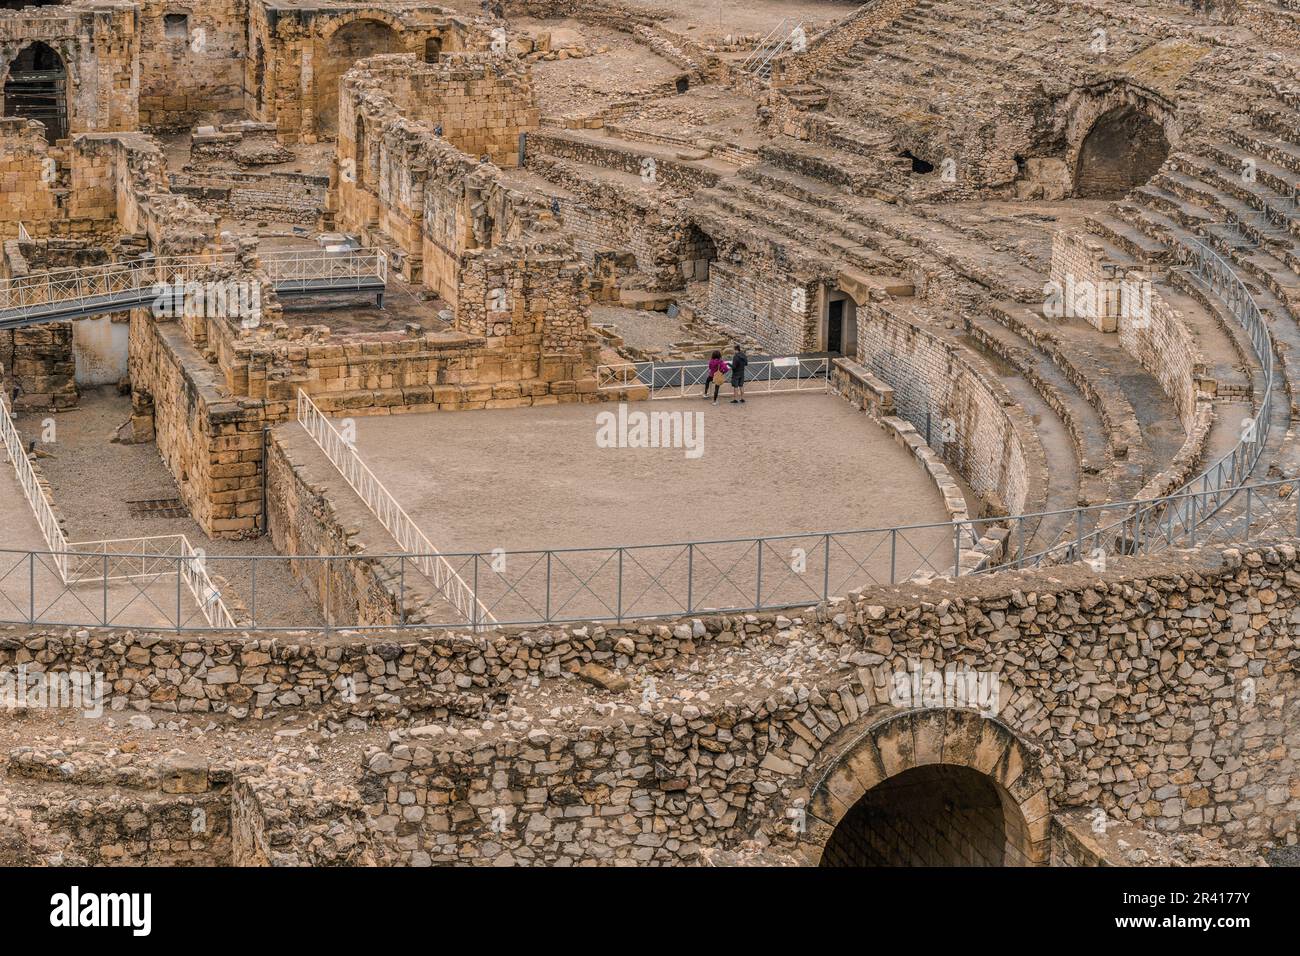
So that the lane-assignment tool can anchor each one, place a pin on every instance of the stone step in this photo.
(1034, 371)
(1282, 326)
(1071, 350)
(1131, 241)
(1251, 203)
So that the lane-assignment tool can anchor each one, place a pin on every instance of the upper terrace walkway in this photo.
(62, 295)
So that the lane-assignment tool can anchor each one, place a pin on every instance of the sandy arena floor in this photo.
(532, 479)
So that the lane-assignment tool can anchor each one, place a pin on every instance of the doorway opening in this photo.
(37, 89)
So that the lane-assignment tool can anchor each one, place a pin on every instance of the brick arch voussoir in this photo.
(902, 740)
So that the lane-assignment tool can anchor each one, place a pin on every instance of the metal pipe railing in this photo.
(344, 457)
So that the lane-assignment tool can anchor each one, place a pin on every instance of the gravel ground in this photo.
(93, 508)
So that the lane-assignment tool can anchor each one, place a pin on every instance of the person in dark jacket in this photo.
(738, 362)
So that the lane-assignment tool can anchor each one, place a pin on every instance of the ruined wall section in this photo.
(1149, 329)
(964, 413)
(493, 252)
(1156, 697)
(99, 45)
(211, 443)
(296, 57)
(191, 61)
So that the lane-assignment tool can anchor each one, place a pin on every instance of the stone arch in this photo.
(1118, 136)
(931, 787)
(36, 87)
(342, 43)
(1123, 150)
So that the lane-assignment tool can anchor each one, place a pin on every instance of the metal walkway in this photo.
(63, 295)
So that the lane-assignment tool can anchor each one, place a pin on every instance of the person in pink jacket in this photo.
(718, 368)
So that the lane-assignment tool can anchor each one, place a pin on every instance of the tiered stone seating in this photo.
(1231, 189)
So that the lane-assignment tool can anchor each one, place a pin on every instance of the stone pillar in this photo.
(307, 94)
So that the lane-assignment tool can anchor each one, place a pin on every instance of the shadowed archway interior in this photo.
(933, 815)
(36, 88)
(1123, 150)
(355, 41)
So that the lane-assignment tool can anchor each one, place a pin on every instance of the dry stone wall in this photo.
(1160, 692)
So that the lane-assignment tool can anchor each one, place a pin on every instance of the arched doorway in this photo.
(1123, 150)
(931, 787)
(937, 815)
(355, 41)
(36, 88)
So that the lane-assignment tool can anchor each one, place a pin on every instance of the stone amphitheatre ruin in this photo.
(996, 564)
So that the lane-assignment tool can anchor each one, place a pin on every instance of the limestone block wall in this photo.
(752, 294)
(1154, 333)
(1156, 697)
(282, 197)
(28, 180)
(191, 60)
(212, 445)
(491, 251)
(482, 101)
(967, 417)
(297, 56)
(118, 185)
(379, 373)
(613, 216)
(1161, 692)
(303, 520)
(99, 45)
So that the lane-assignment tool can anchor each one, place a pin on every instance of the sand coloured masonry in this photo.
(471, 230)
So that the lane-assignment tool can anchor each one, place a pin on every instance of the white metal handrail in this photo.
(759, 63)
(301, 266)
(127, 559)
(786, 373)
(391, 515)
(32, 490)
(123, 284)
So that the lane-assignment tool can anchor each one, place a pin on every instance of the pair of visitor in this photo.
(718, 369)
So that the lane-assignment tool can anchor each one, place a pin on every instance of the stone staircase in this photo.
(1235, 193)
(1062, 373)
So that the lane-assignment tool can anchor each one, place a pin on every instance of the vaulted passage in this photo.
(356, 41)
(36, 88)
(934, 815)
(1123, 150)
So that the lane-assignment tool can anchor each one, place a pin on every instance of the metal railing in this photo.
(685, 379)
(343, 456)
(1218, 483)
(78, 293)
(151, 560)
(46, 520)
(782, 37)
(294, 271)
(613, 584)
(107, 561)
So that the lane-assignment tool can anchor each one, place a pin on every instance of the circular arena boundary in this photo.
(420, 587)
